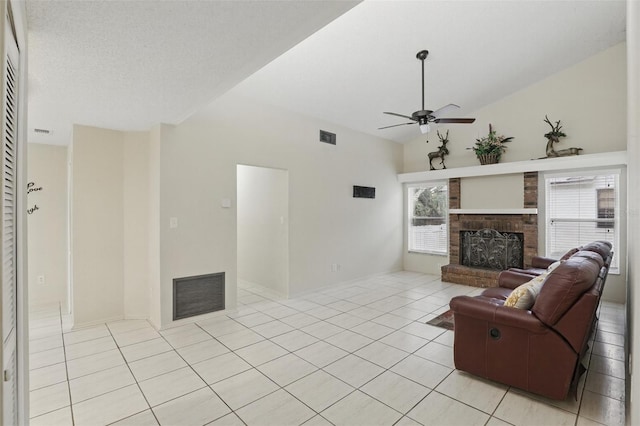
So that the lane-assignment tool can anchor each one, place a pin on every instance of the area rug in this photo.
(444, 320)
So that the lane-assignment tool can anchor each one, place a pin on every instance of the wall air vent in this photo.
(198, 295)
(42, 131)
(364, 192)
(327, 137)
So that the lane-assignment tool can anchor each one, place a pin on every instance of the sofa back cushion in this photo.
(563, 287)
(603, 248)
(591, 255)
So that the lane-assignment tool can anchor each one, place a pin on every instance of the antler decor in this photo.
(441, 152)
(554, 137)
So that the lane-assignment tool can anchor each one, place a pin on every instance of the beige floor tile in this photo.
(146, 418)
(436, 352)
(404, 341)
(383, 355)
(47, 376)
(521, 410)
(602, 409)
(145, 349)
(84, 334)
(51, 398)
(240, 339)
(46, 358)
(156, 365)
(360, 409)
(353, 370)
(160, 389)
(193, 409)
(221, 367)
(202, 351)
(319, 390)
(348, 341)
(278, 408)
(61, 417)
(425, 372)
(104, 381)
(90, 347)
(438, 409)
(474, 391)
(244, 388)
(321, 354)
(396, 391)
(322, 329)
(109, 407)
(287, 369)
(261, 352)
(272, 329)
(94, 363)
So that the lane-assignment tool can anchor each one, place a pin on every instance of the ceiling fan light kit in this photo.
(425, 116)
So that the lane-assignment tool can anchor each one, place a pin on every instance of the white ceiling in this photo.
(132, 64)
(129, 65)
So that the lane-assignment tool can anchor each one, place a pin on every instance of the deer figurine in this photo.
(441, 152)
(554, 137)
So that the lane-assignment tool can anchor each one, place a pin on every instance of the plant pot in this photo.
(488, 159)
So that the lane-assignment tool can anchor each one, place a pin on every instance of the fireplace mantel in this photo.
(493, 211)
(603, 159)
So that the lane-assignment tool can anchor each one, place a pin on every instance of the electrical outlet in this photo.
(41, 279)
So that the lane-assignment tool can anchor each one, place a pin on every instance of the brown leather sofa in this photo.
(537, 349)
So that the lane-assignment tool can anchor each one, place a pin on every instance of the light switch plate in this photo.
(226, 203)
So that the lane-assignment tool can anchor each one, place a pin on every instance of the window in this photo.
(427, 222)
(582, 208)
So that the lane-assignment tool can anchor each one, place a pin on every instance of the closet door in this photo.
(8, 210)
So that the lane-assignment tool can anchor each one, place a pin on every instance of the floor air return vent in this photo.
(198, 295)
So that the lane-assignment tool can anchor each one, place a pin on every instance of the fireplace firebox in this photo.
(491, 249)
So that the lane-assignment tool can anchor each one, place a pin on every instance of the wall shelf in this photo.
(603, 159)
(493, 211)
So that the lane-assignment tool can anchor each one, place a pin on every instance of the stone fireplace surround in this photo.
(527, 224)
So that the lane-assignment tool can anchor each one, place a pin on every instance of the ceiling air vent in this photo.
(327, 137)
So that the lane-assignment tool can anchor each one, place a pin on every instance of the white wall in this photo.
(47, 226)
(137, 291)
(98, 225)
(326, 225)
(110, 232)
(595, 87)
(263, 224)
(633, 272)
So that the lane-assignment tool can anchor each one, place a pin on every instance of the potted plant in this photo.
(489, 148)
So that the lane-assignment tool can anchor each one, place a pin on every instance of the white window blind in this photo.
(427, 222)
(581, 209)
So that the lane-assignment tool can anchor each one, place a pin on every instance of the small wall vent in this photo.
(327, 137)
(364, 192)
(198, 295)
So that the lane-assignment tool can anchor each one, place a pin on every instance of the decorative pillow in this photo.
(524, 296)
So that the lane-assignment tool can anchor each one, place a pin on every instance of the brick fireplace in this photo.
(526, 224)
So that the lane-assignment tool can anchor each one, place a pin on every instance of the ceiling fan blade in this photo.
(399, 115)
(396, 125)
(455, 120)
(444, 110)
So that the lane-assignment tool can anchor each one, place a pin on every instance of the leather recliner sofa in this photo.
(537, 349)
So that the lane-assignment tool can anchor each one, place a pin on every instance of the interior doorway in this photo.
(263, 228)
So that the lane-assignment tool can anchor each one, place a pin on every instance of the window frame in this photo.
(410, 217)
(616, 220)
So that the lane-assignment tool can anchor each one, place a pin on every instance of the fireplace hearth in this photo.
(491, 249)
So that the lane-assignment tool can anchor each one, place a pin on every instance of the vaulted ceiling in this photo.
(131, 64)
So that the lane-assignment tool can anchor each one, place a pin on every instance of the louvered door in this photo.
(8, 209)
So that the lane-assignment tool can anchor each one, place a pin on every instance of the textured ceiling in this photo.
(128, 65)
(132, 64)
(364, 63)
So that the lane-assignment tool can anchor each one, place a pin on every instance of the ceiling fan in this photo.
(424, 116)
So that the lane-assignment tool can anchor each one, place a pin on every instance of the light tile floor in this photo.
(358, 354)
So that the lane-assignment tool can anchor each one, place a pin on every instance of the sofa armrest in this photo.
(541, 262)
(512, 279)
(484, 310)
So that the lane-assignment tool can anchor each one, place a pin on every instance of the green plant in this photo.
(491, 144)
